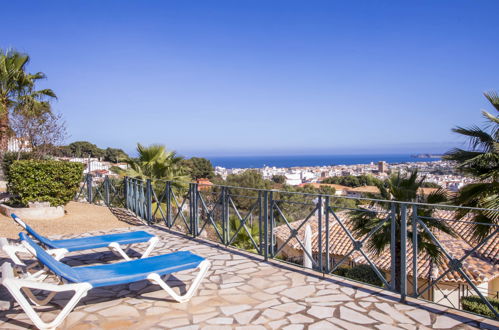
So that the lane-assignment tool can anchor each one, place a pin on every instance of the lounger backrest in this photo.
(31, 231)
(46, 259)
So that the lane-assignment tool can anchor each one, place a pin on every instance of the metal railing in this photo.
(272, 223)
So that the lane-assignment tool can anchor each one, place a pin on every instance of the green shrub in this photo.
(364, 273)
(476, 305)
(44, 181)
(9, 157)
(341, 271)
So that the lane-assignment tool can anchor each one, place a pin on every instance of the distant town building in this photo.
(18, 144)
(382, 167)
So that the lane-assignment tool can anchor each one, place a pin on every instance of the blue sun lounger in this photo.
(59, 248)
(82, 279)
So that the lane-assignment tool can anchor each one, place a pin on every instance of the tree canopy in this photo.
(83, 149)
(353, 181)
(198, 168)
(18, 93)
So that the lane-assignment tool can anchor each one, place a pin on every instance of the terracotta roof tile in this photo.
(479, 269)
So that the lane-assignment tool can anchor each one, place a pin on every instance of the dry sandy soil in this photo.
(79, 218)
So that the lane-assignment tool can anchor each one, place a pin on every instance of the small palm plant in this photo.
(404, 188)
(481, 162)
(155, 163)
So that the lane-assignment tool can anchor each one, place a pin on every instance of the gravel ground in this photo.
(79, 218)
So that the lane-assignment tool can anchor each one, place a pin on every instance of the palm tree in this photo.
(481, 161)
(17, 91)
(403, 188)
(155, 163)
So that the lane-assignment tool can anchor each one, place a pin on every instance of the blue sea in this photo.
(312, 160)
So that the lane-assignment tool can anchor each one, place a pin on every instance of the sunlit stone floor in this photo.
(240, 292)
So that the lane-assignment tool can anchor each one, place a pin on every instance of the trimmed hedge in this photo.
(361, 273)
(341, 271)
(364, 273)
(10, 157)
(476, 305)
(44, 181)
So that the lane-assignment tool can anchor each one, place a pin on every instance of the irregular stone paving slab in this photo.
(240, 292)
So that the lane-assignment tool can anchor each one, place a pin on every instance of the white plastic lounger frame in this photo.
(58, 254)
(15, 285)
(12, 249)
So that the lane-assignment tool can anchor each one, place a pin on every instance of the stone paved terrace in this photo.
(241, 291)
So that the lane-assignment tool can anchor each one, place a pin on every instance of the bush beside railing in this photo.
(475, 305)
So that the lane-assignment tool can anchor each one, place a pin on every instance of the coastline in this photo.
(288, 161)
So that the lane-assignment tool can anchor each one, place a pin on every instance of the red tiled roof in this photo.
(478, 269)
(365, 189)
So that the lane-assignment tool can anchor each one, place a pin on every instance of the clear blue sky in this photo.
(263, 77)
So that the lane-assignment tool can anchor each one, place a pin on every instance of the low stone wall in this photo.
(34, 213)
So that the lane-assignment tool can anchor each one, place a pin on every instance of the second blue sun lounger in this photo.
(82, 279)
(59, 248)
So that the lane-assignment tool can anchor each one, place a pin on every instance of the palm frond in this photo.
(493, 98)
(478, 138)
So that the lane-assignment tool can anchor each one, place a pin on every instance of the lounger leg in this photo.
(152, 244)
(115, 247)
(203, 269)
(14, 286)
(12, 250)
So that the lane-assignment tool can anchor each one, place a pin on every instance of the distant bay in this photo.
(312, 160)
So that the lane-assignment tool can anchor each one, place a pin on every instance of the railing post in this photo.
(271, 221)
(106, 190)
(135, 195)
(415, 250)
(125, 191)
(319, 241)
(195, 217)
(225, 215)
(265, 224)
(149, 201)
(89, 188)
(403, 252)
(140, 199)
(260, 222)
(393, 249)
(191, 207)
(326, 215)
(168, 192)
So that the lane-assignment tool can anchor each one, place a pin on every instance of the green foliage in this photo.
(18, 93)
(353, 181)
(44, 181)
(199, 168)
(245, 198)
(248, 179)
(341, 271)
(115, 155)
(476, 305)
(242, 239)
(82, 149)
(10, 157)
(158, 165)
(400, 188)
(481, 161)
(363, 273)
(279, 179)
